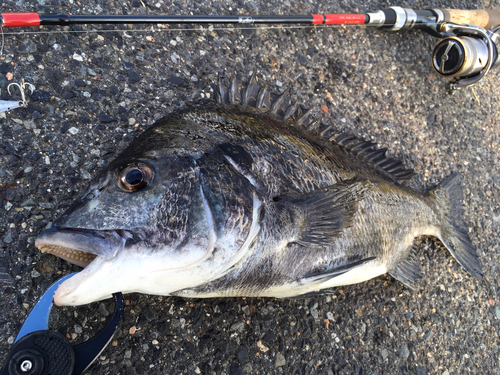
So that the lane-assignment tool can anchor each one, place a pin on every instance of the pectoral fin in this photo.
(325, 213)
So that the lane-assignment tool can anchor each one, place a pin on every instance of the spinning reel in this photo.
(466, 53)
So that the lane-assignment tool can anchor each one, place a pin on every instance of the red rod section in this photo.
(339, 19)
(20, 19)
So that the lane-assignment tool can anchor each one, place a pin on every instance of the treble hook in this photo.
(8, 105)
(22, 87)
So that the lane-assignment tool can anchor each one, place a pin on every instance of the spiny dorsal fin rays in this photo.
(263, 98)
(303, 120)
(245, 100)
(282, 106)
(233, 90)
(278, 104)
(291, 111)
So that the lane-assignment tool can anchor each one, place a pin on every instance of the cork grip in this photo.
(480, 17)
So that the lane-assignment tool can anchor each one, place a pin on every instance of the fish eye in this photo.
(135, 176)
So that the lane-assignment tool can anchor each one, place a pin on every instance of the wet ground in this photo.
(98, 87)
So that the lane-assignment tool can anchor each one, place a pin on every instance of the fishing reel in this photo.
(465, 54)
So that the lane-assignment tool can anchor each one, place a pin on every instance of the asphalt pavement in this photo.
(97, 87)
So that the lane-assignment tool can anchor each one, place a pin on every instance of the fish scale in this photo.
(246, 200)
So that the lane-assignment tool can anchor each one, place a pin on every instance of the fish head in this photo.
(144, 225)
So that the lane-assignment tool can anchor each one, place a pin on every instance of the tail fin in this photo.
(453, 234)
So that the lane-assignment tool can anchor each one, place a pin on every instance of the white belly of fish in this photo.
(297, 288)
(355, 276)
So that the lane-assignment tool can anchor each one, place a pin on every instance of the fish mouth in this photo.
(81, 246)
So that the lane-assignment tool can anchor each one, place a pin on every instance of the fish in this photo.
(240, 197)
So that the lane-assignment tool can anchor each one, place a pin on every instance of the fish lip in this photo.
(80, 245)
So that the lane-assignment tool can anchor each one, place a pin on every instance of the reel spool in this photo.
(466, 56)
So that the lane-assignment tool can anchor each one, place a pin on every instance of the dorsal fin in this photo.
(258, 96)
(255, 95)
(368, 152)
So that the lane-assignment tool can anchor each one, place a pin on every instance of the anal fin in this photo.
(409, 270)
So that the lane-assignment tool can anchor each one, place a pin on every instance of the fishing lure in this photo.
(8, 105)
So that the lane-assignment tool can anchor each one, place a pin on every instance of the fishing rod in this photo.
(465, 53)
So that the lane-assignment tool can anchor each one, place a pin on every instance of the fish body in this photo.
(238, 199)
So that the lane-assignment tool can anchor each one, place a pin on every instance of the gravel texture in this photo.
(96, 90)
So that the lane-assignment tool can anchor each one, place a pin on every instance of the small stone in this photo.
(80, 83)
(262, 347)
(132, 330)
(8, 237)
(404, 352)
(497, 312)
(384, 353)
(242, 354)
(128, 353)
(105, 118)
(280, 360)
(421, 371)
(27, 46)
(269, 337)
(314, 313)
(41, 96)
(102, 309)
(73, 130)
(246, 310)
(77, 57)
(133, 77)
(175, 81)
(78, 329)
(5, 279)
(35, 274)
(235, 369)
(237, 327)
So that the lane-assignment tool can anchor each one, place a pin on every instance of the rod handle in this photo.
(480, 17)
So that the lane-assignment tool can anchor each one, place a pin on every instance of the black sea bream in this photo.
(238, 199)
